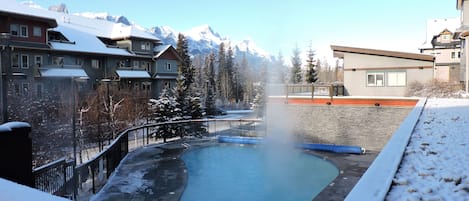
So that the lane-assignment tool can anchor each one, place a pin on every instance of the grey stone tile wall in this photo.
(368, 127)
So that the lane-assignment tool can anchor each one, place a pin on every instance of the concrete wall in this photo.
(369, 127)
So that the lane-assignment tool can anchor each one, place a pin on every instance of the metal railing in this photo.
(61, 178)
(55, 178)
(312, 90)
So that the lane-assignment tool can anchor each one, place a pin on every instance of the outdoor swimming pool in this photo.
(238, 173)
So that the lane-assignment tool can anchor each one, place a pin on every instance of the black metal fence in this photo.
(56, 178)
(61, 178)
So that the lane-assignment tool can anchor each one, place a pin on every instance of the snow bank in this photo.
(11, 191)
(435, 165)
(376, 181)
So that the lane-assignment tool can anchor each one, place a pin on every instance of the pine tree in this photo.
(222, 72)
(311, 72)
(258, 103)
(210, 108)
(295, 76)
(164, 109)
(280, 70)
(186, 70)
(197, 128)
(229, 83)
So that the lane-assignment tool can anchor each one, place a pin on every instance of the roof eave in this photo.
(340, 50)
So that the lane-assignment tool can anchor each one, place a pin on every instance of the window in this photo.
(14, 29)
(145, 46)
(23, 31)
(37, 31)
(24, 61)
(396, 79)
(38, 60)
(167, 85)
(79, 61)
(168, 66)
(58, 61)
(95, 63)
(453, 55)
(459, 54)
(146, 66)
(375, 79)
(15, 60)
(121, 63)
(135, 64)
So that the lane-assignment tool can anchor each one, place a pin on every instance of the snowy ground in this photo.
(436, 161)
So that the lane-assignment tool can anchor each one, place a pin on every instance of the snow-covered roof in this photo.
(87, 29)
(132, 74)
(12, 191)
(436, 26)
(11, 6)
(63, 72)
(165, 77)
(160, 49)
(84, 42)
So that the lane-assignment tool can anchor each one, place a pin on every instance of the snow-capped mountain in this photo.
(106, 16)
(202, 39)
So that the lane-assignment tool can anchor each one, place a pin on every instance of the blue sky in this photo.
(277, 25)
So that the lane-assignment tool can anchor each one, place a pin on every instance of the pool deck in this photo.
(165, 176)
(351, 168)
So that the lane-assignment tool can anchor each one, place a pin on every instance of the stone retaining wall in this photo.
(367, 126)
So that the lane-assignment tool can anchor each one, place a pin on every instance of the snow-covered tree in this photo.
(258, 104)
(197, 128)
(164, 110)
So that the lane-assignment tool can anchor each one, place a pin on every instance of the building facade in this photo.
(371, 72)
(46, 52)
(444, 44)
(463, 6)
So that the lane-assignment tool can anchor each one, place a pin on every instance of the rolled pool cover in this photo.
(311, 146)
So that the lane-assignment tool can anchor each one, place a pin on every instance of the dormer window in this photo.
(146, 46)
(168, 66)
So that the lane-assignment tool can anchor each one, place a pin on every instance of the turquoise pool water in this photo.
(247, 173)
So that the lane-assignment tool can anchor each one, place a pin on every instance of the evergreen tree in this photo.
(258, 104)
(229, 83)
(246, 78)
(222, 72)
(198, 128)
(164, 109)
(185, 78)
(210, 108)
(311, 72)
(186, 70)
(295, 76)
(280, 74)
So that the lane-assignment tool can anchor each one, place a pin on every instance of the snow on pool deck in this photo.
(435, 165)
